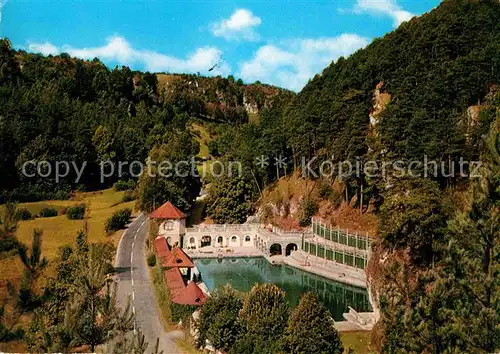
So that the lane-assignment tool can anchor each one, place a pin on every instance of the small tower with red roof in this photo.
(172, 223)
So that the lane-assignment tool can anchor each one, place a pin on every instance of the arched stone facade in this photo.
(229, 236)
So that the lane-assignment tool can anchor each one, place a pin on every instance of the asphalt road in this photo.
(133, 280)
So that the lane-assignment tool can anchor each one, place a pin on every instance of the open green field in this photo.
(59, 230)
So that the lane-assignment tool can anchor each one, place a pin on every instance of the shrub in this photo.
(325, 190)
(182, 313)
(118, 220)
(76, 212)
(151, 260)
(23, 214)
(266, 212)
(61, 195)
(128, 197)
(7, 244)
(48, 212)
(124, 185)
(213, 148)
(308, 207)
(336, 198)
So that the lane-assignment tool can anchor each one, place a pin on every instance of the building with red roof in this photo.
(172, 223)
(177, 259)
(174, 280)
(162, 249)
(168, 211)
(190, 295)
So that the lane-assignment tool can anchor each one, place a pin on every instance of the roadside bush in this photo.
(308, 207)
(23, 214)
(182, 313)
(151, 260)
(48, 212)
(76, 212)
(128, 197)
(118, 220)
(124, 185)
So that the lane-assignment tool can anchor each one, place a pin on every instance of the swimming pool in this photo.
(243, 273)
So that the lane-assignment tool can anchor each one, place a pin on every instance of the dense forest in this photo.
(59, 108)
(428, 89)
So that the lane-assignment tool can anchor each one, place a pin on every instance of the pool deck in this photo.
(333, 271)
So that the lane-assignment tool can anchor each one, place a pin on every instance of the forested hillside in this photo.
(428, 90)
(65, 109)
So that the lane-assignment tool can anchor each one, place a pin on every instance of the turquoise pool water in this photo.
(243, 273)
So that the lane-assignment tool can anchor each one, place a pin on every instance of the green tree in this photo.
(34, 265)
(414, 215)
(8, 227)
(229, 199)
(453, 303)
(218, 321)
(308, 207)
(473, 260)
(311, 329)
(264, 318)
(170, 175)
(103, 142)
(92, 316)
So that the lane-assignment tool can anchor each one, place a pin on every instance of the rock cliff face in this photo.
(216, 97)
(250, 107)
(380, 101)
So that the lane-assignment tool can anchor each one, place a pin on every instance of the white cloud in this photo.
(118, 50)
(2, 4)
(240, 25)
(293, 63)
(383, 7)
(46, 48)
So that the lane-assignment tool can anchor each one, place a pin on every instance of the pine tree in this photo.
(34, 263)
(311, 329)
(93, 316)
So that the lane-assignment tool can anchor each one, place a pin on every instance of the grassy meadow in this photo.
(59, 230)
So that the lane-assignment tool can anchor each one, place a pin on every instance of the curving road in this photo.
(133, 280)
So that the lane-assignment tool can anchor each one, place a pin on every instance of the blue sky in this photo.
(281, 42)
